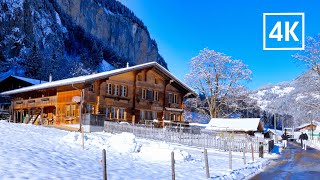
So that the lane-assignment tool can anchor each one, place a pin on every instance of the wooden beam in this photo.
(41, 114)
(134, 92)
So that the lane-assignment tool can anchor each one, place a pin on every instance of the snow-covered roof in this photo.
(235, 124)
(29, 80)
(93, 77)
(307, 124)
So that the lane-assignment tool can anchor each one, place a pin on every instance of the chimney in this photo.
(127, 64)
(50, 77)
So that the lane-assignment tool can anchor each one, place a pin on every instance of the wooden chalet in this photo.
(137, 94)
(306, 127)
(10, 83)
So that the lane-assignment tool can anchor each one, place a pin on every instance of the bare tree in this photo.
(311, 58)
(311, 55)
(220, 79)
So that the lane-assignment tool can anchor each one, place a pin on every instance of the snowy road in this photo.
(294, 163)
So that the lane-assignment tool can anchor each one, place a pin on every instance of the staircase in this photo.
(34, 118)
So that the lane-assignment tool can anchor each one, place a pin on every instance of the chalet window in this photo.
(122, 112)
(156, 96)
(90, 108)
(144, 94)
(68, 110)
(73, 110)
(91, 88)
(170, 99)
(109, 88)
(108, 113)
(175, 96)
(114, 113)
(142, 117)
(116, 90)
(150, 94)
(166, 116)
(154, 115)
(124, 91)
(148, 115)
(173, 117)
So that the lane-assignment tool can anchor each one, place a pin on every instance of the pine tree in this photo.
(33, 63)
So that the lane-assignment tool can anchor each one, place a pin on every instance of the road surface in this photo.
(294, 163)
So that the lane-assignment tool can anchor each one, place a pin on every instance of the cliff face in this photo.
(122, 35)
(70, 37)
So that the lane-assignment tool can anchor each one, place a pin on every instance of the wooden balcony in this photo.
(35, 102)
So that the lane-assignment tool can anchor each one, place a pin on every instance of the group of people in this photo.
(303, 139)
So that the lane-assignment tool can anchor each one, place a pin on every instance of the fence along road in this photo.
(187, 136)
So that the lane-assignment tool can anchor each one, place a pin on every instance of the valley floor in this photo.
(35, 152)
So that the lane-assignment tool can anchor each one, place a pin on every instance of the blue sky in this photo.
(234, 27)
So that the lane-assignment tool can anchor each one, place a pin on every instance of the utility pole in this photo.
(275, 126)
(309, 113)
(282, 124)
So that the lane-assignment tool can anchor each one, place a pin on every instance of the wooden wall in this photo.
(101, 100)
(67, 111)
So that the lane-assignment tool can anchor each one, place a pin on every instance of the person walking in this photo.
(305, 139)
(284, 140)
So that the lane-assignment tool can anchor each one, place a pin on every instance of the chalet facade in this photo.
(10, 83)
(137, 94)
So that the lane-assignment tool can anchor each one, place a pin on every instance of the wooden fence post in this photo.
(82, 137)
(261, 149)
(104, 164)
(244, 154)
(230, 156)
(252, 152)
(172, 166)
(206, 163)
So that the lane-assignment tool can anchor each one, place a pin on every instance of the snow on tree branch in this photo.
(311, 55)
(219, 78)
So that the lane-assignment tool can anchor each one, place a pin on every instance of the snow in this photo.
(241, 124)
(36, 152)
(64, 29)
(281, 91)
(108, 12)
(260, 96)
(92, 77)
(105, 66)
(29, 80)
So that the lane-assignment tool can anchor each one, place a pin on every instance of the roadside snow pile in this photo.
(75, 138)
(124, 143)
(163, 153)
(121, 143)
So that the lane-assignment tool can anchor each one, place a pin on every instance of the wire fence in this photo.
(314, 140)
(191, 137)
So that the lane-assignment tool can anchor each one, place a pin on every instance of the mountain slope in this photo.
(298, 98)
(70, 37)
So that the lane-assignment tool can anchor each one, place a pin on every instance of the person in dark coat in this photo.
(304, 140)
(284, 140)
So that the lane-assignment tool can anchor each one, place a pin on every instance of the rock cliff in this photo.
(70, 37)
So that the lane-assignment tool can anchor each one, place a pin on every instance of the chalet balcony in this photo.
(35, 102)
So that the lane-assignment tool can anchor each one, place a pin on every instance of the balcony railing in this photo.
(35, 102)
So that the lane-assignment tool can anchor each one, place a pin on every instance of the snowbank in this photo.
(49, 153)
(124, 143)
(162, 152)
